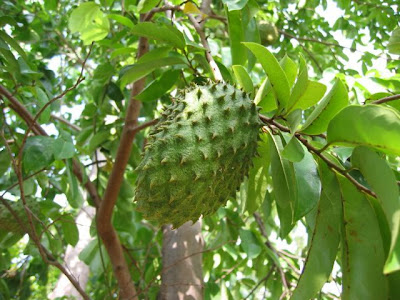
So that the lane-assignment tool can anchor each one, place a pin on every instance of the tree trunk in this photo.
(77, 267)
(182, 275)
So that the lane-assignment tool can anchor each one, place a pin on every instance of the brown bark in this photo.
(104, 226)
(182, 275)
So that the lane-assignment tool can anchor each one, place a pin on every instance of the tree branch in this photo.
(104, 226)
(214, 67)
(386, 99)
(66, 122)
(316, 151)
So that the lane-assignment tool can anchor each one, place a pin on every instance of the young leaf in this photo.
(162, 32)
(383, 182)
(236, 36)
(332, 103)
(363, 255)
(243, 78)
(90, 22)
(370, 125)
(284, 182)
(275, 73)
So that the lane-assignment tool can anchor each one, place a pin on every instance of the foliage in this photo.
(329, 153)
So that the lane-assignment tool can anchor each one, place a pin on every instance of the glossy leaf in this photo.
(38, 153)
(332, 103)
(383, 182)
(161, 32)
(137, 71)
(370, 125)
(275, 73)
(243, 78)
(313, 92)
(324, 243)
(284, 182)
(362, 276)
(293, 151)
(159, 87)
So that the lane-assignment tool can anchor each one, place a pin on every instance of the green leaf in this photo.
(42, 100)
(70, 230)
(332, 103)
(383, 182)
(243, 78)
(9, 40)
(63, 149)
(154, 54)
(5, 161)
(290, 69)
(162, 32)
(363, 255)
(275, 73)
(114, 92)
(38, 153)
(146, 5)
(90, 22)
(235, 4)
(312, 94)
(159, 87)
(258, 176)
(308, 186)
(73, 193)
(236, 36)
(369, 125)
(122, 20)
(284, 183)
(137, 71)
(98, 139)
(249, 243)
(394, 42)
(324, 241)
(293, 151)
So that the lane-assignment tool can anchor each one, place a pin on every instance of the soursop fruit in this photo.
(198, 154)
(268, 33)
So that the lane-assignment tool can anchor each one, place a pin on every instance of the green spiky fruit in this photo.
(268, 33)
(198, 154)
(7, 221)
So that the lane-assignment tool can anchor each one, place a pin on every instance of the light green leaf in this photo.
(284, 183)
(146, 5)
(394, 42)
(90, 22)
(332, 103)
(70, 230)
(325, 239)
(156, 53)
(162, 32)
(42, 99)
(290, 69)
(9, 40)
(243, 78)
(122, 20)
(370, 125)
(63, 149)
(363, 255)
(137, 71)
(276, 75)
(73, 193)
(38, 153)
(258, 176)
(383, 182)
(313, 92)
(235, 4)
(236, 36)
(98, 139)
(249, 243)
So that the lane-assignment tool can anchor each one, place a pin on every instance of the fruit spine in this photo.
(198, 154)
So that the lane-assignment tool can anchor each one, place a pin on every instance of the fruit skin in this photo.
(198, 154)
(7, 221)
(268, 33)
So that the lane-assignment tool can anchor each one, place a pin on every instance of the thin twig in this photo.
(262, 280)
(66, 122)
(316, 151)
(386, 99)
(214, 67)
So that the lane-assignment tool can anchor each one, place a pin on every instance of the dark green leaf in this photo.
(38, 153)
(161, 32)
